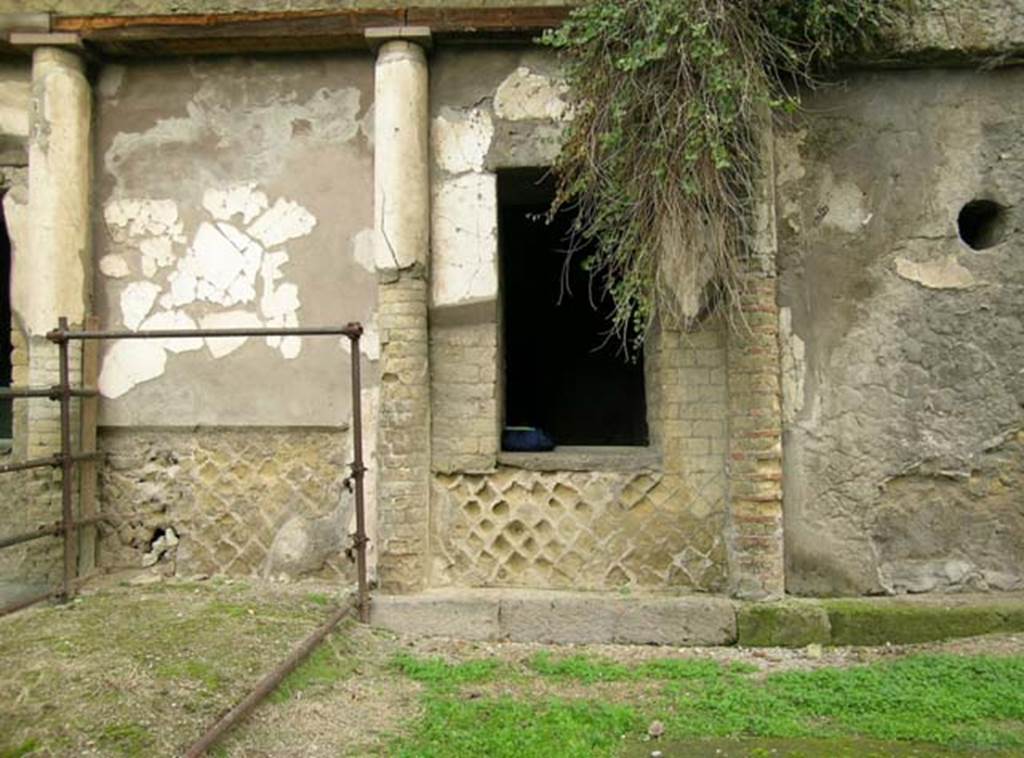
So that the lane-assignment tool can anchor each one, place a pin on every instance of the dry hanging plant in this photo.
(671, 98)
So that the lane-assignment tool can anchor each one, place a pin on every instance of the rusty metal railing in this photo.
(67, 458)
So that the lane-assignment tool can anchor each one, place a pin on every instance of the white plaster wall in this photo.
(234, 193)
(466, 149)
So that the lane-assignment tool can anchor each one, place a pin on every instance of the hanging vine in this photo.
(670, 98)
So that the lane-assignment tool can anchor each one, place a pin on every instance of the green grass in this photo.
(437, 674)
(325, 665)
(318, 598)
(25, 748)
(124, 739)
(500, 727)
(196, 669)
(588, 669)
(948, 700)
(969, 702)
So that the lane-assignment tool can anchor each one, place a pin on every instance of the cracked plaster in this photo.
(901, 349)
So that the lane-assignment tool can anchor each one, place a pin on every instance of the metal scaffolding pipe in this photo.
(18, 539)
(51, 461)
(268, 683)
(66, 459)
(50, 393)
(67, 464)
(349, 330)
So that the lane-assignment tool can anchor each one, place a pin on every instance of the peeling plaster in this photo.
(128, 363)
(221, 346)
(114, 266)
(461, 139)
(794, 367)
(263, 126)
(465, 244)
(244, 199)
(143, 217)
(844, 204)
(946, 273)
(286, 220)
(222, 267)
(136, 302)
(526, 95)
(363, 246)
(173, 320)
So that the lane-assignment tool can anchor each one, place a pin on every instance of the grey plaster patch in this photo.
(304, 545)
(941, 274)
(912, 347)
(225, 111)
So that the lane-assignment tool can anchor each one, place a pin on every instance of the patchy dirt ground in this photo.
(143, 669)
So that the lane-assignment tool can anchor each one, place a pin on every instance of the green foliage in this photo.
(25, 748)
(938, 699)
(124, 739)
(325, 666)
(956, 701)
(196, 669)
(670, 98)
(590, 669)
(437, 673)
(503, 727)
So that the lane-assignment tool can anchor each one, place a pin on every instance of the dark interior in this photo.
(981, 224)
(561, 373)
(5, 327)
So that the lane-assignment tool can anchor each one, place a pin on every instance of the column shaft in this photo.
(402, 220)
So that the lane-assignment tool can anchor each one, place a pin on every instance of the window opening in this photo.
(562, 375)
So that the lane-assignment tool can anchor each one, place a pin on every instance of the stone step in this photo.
(562, 617)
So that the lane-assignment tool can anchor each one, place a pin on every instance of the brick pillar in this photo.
(402, 223)
(755, 412)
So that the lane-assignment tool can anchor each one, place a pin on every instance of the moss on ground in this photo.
(870, 622)
(783, 624)
(873, 621)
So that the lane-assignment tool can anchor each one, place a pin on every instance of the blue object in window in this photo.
(526, 439)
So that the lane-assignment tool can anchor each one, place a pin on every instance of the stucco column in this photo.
(50, 278)
(402, 224)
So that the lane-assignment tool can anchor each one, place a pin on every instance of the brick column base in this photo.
(755, 446)
(403, 436)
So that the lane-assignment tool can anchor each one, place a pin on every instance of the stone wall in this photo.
(254, 501)
(651, 518)
(642, 517)
(902, 346)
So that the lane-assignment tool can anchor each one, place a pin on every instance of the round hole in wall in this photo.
(982, 224)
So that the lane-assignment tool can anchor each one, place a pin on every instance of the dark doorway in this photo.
(562, 375)
(5, 327)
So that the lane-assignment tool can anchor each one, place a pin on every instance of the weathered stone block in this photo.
(441, 614)
(782, 624)
(877, 622)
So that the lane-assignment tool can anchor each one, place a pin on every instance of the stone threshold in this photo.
(566, 617)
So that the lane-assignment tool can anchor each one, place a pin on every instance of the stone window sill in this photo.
(580, 458)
